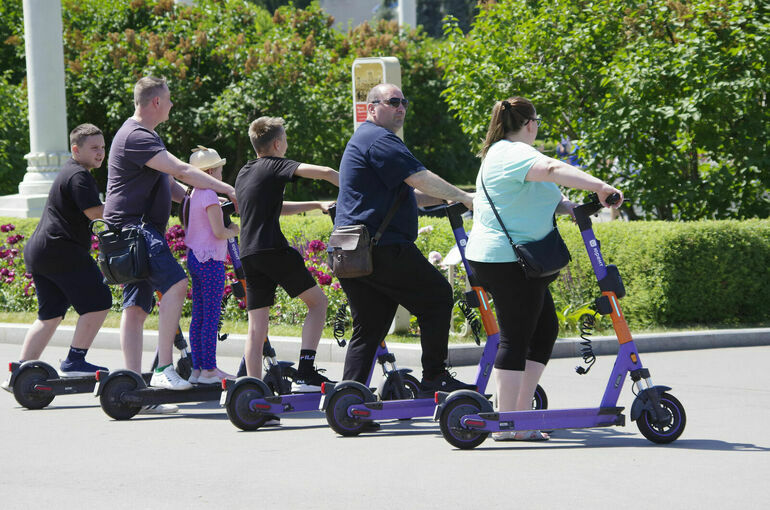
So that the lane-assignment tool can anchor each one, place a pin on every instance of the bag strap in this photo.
(499, 219)
(391, 212)
(497, 215)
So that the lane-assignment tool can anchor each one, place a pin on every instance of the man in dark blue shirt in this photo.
(376, 170)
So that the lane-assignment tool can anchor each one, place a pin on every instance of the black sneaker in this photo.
(308, 383)
(443, 382)
(78, 368)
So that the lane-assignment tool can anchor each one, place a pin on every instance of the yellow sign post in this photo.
(368, 72)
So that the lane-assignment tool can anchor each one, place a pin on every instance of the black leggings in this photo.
(525, 313)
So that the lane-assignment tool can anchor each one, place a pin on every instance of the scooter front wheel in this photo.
(668, 430)
(539, 399)
(239, 407)
(456, 435)
(24, 388)
(337, 412)
(411, 387)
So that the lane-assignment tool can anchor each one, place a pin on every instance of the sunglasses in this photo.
(537, 119)
(393, 101)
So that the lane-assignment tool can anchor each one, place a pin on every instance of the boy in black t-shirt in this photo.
(267, 258)
(58, 256)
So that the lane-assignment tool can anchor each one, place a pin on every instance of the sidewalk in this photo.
(408, 355)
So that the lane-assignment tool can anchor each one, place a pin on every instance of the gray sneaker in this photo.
(169, 379)
(159, 409)
(6, 385)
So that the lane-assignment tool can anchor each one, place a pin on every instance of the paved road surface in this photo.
(71, 455)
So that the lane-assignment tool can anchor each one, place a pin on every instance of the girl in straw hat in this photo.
(206, 239)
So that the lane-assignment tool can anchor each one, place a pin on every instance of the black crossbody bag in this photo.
(350, 246)
(123, 256)
(538, 259)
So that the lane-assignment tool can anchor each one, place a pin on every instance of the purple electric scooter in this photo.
(467, 417)
(251, 402)
(350, 405)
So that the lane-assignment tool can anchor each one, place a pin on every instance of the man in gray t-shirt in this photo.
(140, 188)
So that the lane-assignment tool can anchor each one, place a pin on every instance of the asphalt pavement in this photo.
(72, 455)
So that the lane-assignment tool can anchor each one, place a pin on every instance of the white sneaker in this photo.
(159, 409)
(169, 379)
(213, 379)
(6, 385)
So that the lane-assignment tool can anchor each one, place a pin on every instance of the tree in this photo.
(14, 125)
(430, 14)
(668, 98)
(229, 62)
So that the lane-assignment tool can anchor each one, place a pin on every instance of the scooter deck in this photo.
(155, 396)
(291, 403)
(545, 419)
(393, 409)
(66, 385)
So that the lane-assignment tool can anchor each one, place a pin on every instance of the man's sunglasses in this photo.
(393, 101)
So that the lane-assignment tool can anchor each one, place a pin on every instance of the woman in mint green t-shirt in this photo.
(522, 184)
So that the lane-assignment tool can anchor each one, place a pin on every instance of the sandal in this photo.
(520, 435)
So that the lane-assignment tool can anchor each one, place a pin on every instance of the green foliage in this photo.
(227, 63)
(12, 40)
(17, 292)
(682, 273)
(706, 272)
(668, 98)
(14, 134)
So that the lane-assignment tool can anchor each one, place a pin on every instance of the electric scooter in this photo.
(251, 402)
(124, 392)
(467, 418)
(35, 383)
(350, 405)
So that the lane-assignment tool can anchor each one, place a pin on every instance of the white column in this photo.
(407, 13)
(49, 147)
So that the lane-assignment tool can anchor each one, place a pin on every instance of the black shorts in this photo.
(266, 270)
(84, 289)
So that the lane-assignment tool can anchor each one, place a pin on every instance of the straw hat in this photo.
(204, 158)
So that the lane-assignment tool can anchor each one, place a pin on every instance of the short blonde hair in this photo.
(147, 88)
(263, 131)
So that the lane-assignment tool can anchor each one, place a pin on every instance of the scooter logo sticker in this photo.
(462, 242)
(592, 243)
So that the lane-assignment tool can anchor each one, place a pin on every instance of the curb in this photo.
(409, 354)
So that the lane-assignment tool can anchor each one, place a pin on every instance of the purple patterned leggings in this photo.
(208, 284)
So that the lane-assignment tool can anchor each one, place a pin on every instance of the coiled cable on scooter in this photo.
(339, 324)
(222, 336)
(586, 349)
(473, 319)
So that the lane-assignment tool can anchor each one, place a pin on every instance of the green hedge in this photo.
(705, 272)
(708, 272)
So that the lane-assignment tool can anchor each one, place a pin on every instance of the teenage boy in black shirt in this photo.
(267, 258)
(58, 256)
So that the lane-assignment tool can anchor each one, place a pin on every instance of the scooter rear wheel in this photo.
(669, 430)
(110, 398)
(455, 435)
(337, 412)
(24, 388)
(239, 407)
